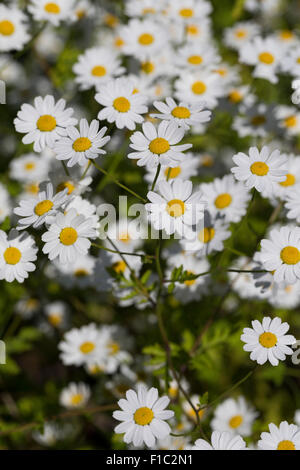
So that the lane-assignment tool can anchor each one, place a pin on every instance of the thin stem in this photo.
(156, 177)
(126, 253)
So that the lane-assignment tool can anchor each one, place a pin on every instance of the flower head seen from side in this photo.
(75, 396)
(158, 146)
(68, 236)
(17, 254)
(122, 104)
(82, 145)
(234, 416)
(174, 208)
(143, 417)
(267, 341)
(221, 441)
(261, 169)
(35, 211)
(183, 114)
(283, 437)
(44, 123)
(81, 346)
(280, 254)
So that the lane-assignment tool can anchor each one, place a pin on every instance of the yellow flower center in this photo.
(159, 146)
(172, 172)
(240, 33)
(195, 59)
(221, 72)
(206, 234)
(81, 273)
(190, 282)
(148, 67)
(198, 88)
(29, 166)
(6, 28)
(42, 207)
(54, 319)
(52, 8)
(66, 184)
(46, 123)
(82, 144)
(286, 445)
(181, 112)
(268, 339)
(122, 104)
(266, 58)
(146, 11)
(290, 255)
(87, 347)
(192, 29)
(119, 267)
(146, 39)
(12, 255)
(111, 20)
(119, 42)
(290, 180)
(98, 71)
(235, 96)
(186, 12)
(81, 13)
(235, 421)
(68, 236)
(223, 200)
(143, 416)
(76, 399)
(207, 160)
(114, 348)
(175, 208)
(286, 35)
(32, 188)
(259, 168)
(124, 237)
(290, 121)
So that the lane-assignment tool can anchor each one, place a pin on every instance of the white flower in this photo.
(143, 38)
(143, 416)
(81, 346)
(75, 395)
(68, 236)
(267, 341)
(292, 203)
(124, 234)
(121, 104)
(284, 437)
(158, 146)
(44, 123)
(183, 114)
(53, 11)
(221, 441)
(35, 211)
(185, 169)
(81, 145)
(281, 254)
(57, 313)
(187, 10)
(174, 208)
(194, 57)
(225, 197)
(234, 416)
(261, 169)
(29, 168)
(113, 339)
(291, 61)
(144, 7)
(84, 207)
(97, 66)
(287, 188)
(5, 204)
(17, 253)
(289, 119)
(240, 33)
(199, 87)
(265, 55)
(78, 273)
(13, 29)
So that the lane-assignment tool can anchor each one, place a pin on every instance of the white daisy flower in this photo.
(288, 187)
(57, 314)
(255, 120)
(265, 55)
(51, 434)
(29, 168)
(221, 441)
(84, 9)
(113, 340)
(174, 208)
(261, 169)
(240, 94)
(81, 346)
(68, 236)
(185, 170)
(36, 211)
(296, 94)
(13, 29)
(74, 182)
(196, 57)
(84, 207)
(143, 416)
(5, 204)
(200, 87)
(82, 145)
(281, 254)
(124, 234)
(79, 273)
(97, 66)
(183, 114)
(17, 253)
(75, 396)
(44, 123)
(285, 296)
(284, 437)
(136, 8)
(234, 416)
(186, 10)
(158, 146)
(240, 33)
(290, 62)
(143, 38)
(297, 417)
(292, 203)
(288, 119)
(268, 341)
(53, 11)
(225, 197)
(121, 104)
(196, 30)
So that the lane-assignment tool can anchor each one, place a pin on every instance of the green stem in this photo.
(156, 177)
